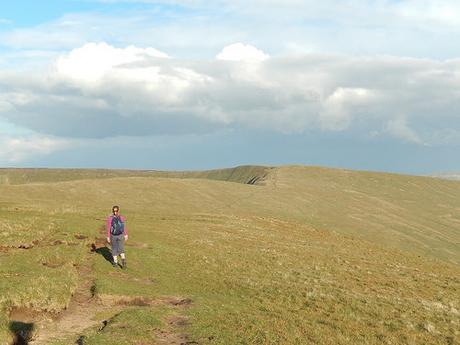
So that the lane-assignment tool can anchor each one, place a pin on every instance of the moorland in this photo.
(249, 255)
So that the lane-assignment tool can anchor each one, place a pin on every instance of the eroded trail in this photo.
(80, 316)
(76, 318)
(85, 306)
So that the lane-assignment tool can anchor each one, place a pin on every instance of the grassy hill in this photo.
(304, 255)
(241, 174)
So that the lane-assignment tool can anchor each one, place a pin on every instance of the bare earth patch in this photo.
(81, 312)
(173, 333)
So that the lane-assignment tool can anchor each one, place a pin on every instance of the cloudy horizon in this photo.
(187, 85)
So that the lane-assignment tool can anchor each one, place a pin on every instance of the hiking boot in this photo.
(123, 264)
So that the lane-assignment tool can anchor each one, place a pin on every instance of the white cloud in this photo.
(430, 14)
(242, 52)
(340, 106)
(101, 91)
(16, 149)
(94, 60)
(400, 129)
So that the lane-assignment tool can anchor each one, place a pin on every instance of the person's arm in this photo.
(123, 219)
(109, 224)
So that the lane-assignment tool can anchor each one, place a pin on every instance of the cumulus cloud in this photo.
(340, 106)
(16, 149)
(98, 91)
(242, 52)
(399, 128)
(94, 60)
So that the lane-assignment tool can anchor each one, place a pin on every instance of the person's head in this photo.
(115, 210)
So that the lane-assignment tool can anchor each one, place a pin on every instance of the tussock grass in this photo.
(28, 282)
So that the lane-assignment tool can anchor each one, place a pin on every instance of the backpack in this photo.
(117, 227)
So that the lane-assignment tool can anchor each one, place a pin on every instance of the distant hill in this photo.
(448, 176)
(250, 174)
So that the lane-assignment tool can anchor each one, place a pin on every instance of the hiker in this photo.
(117, 234)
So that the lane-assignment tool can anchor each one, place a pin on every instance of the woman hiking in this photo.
(117, 234)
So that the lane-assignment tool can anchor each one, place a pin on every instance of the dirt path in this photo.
(83, 308)
(76, 318)
(80, 317)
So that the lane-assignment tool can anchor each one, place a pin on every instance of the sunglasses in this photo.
(115, 211)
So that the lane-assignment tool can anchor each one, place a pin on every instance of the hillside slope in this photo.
(249, 174)
(333, 256)
(420, 214)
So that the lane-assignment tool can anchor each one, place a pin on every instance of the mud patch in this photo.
(26, 246)
(142, 301)
(136, 301)
(179, 301)
(174, 333)
(178, 321)
(53, 264)
(26, 315)
(6, 249)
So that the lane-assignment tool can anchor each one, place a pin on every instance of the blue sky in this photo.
(362, 84)
(27, 13)
(30, 13)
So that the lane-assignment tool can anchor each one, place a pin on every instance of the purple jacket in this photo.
(109, 224)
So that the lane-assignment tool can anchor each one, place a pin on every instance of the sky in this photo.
(194, 84)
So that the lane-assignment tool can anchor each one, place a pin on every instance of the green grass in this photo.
(313, 256)
(261, 282)
(4, 327)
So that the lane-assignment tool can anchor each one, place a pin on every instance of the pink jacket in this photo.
(109, 224)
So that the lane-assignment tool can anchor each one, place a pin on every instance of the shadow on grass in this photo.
(105, 252)
(22, 332)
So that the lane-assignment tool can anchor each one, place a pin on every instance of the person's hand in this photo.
(126, 237)
(108, 239)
